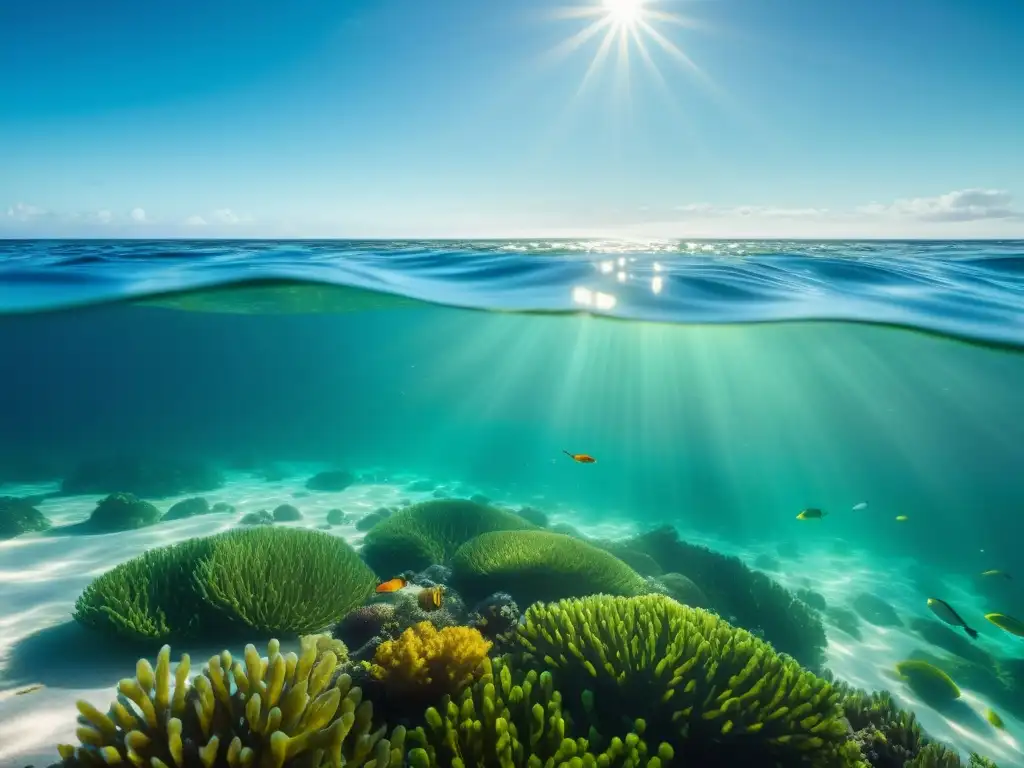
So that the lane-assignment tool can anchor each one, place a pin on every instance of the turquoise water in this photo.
(722, 387)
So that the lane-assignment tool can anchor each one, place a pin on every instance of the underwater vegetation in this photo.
(747, 598)
(122, 512)
(597, 681)
(429, 533)
(289, 581)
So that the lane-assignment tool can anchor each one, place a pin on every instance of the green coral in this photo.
(287, 580)
(430, 532)
(511, 718)
(719, 695)
(278, 711)
(270, 580)
(747, 598)
(539, 565)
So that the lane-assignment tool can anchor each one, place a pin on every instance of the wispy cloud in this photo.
(195, 221)
(960, 205)
(24, 212)
(768, 211)
(138, 214)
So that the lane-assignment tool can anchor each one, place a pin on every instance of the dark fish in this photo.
(811, 513)
(945, 611)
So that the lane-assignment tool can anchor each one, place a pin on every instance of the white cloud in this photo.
(226, 216)
(24, 212)
(104, 216)
(138, 214)
(195, 221)
(960, 205)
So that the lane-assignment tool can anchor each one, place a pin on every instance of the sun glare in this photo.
(624, 12)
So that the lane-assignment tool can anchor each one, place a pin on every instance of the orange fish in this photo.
(392, 585)
(431, 598)
(582, 458)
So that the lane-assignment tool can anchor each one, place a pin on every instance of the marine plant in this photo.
(715, 693)
(122, 512)
(539, 565)
(278, 711)
(747, 598)
(427, 663)
(262, 579)
(513, 718)
(430, 532)
(18, 516)
(282, 580)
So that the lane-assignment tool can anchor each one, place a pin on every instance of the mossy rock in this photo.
(263, 517)
(18, 516)
(429, 533)
(370, 521)
(122, 512)
(539, 565)
(336, 517)
(188, 508)
(286, 513)
(333, 480)
(289, 581)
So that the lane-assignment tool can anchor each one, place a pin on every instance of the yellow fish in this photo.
(811, 513)
(1007, 623)
(430, 598)
(901, 518)
(992, 717)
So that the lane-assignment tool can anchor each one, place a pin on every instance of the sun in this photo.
(624, 12)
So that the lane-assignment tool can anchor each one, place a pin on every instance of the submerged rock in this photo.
(332, 480)
(222, 507)
(479, 498)
(122, 512)
(188, 508)
(336, 517)
(533, 515)
(286, 513)
(18, 516)
(814, 599)
(263, 517)
(420, 486)
(875, 610)
(367, 522)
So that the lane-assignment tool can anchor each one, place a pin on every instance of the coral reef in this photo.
(366, 627)
(143, 476)
(511, 718)
(496, 616)
(18, 516)
(430, 532)
(289, 581)
(333, 480)
(286, 513)
(279, 711)
(197, 505)
(717, 694)
(282, 580)
(539, 565)
(122, 512)
(747, 598)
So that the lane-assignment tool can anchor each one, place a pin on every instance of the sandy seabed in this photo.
(42, 576)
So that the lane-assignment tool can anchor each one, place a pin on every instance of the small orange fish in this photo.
(431, 598)
(392, 585)
(582, 458)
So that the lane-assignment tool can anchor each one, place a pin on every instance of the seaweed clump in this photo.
(122, 512)
(429, 533)
(18, 516)
(718, 695)
(280, 710)
(289, 581)
(539, 565)
(747, 598)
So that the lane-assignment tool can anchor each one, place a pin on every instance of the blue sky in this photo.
(450, 118)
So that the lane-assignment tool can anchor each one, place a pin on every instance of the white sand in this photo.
(41, 577)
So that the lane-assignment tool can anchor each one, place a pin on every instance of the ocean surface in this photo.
(722, 387)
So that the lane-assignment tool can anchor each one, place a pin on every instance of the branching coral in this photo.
(280, 711)
(540, 565)
(431, 532)
(511, 719)
(719, 695)
(288, 580)
(425, 661)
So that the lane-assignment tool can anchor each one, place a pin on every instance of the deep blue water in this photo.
(966, 289)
